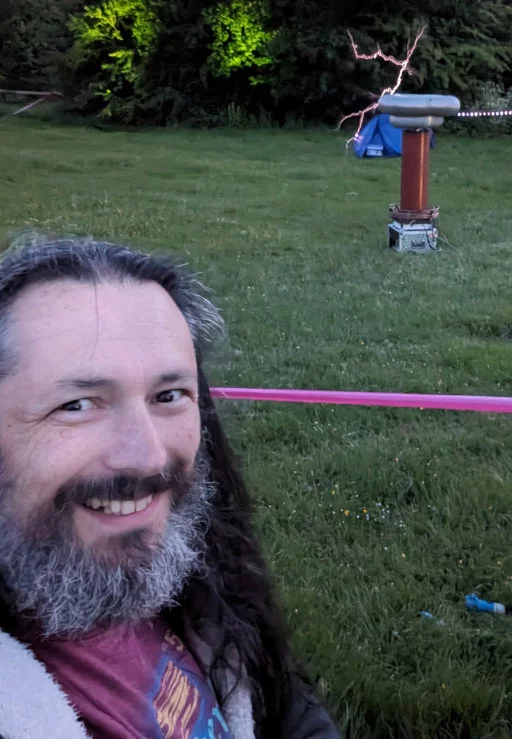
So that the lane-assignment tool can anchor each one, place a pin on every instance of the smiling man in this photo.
(134, 601)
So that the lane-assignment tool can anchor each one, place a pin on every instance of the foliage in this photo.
(178, 84)
(240, 37)
(468, 42)
(313, 75)
(34, 39)
(486, 96)
(113, 40)
(166, 61)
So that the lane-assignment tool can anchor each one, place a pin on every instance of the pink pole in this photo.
(481, 403)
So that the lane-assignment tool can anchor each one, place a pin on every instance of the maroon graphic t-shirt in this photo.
(135, 682)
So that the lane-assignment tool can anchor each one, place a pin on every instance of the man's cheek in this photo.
(29, 496)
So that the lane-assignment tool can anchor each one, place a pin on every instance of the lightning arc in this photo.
(403, 68)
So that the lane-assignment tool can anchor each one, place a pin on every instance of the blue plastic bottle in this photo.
(474, 603)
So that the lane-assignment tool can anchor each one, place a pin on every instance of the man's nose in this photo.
(136, 445)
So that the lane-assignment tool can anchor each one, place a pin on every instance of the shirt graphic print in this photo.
(134, 681)
(181, 707)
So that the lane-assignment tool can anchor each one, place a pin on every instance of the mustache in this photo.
(125, 487)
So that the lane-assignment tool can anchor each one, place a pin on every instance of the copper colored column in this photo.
(415, 156)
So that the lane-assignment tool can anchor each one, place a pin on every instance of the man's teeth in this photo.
(119, 507)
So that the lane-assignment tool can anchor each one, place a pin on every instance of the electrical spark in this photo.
(403, 66)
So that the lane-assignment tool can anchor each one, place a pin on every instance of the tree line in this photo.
(211, 62)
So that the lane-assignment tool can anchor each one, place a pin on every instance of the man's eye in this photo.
(82, 404)
(170, 396)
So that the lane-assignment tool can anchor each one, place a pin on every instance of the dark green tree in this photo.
(34, 38)
(468, 42)
(179, 84)
(163, 61)
(112, 42)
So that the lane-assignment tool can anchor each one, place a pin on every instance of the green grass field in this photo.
(367, 515)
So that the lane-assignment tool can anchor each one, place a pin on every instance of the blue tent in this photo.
(379, 139)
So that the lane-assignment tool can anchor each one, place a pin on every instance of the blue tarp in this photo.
(380, 139)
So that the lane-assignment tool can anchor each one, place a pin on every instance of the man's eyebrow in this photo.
(85, 383)
(180, 376)
(102, 383)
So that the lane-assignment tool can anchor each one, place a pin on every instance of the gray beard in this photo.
(66, 590)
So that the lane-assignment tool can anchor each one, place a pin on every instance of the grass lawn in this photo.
(368, 515)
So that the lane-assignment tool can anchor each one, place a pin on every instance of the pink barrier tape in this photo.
(481, 403)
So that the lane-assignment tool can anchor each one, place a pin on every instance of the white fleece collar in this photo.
(31, 703)
(33, 706)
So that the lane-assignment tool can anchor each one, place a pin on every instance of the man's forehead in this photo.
(80, 325)
(110, 297)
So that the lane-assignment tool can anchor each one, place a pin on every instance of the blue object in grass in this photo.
(427, 616)
(474, 603)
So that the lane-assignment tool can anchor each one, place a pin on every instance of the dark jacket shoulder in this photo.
(308, 719)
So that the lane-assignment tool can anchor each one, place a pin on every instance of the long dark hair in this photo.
(237, 594)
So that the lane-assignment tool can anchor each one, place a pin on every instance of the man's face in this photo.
(103, 494)
(107, 387)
